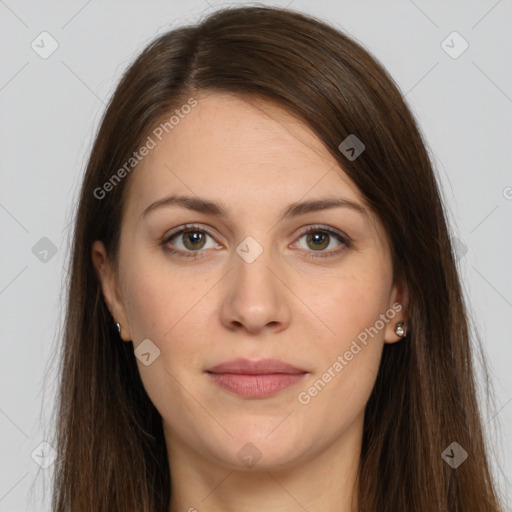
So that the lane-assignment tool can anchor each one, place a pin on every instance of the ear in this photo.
(108, 280)
(399, 303)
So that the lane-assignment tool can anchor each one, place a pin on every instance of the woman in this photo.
(264, 310)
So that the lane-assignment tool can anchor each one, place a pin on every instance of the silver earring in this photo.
(400, 329)
(118, 328)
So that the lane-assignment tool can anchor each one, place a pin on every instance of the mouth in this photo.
(255, 379)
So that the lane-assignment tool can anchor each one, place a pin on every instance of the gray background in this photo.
(51, 108)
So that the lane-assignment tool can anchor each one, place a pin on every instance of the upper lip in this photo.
(259, 367)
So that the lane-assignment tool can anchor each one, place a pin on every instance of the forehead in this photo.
(242, 150)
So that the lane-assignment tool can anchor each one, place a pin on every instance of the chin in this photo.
(259, 450)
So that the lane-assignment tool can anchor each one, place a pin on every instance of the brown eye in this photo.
(193, 239)
(189, 242)
(318, 240)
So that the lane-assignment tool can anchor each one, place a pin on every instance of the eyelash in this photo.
(312, 229)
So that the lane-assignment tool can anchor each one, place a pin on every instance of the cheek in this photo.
(349, 303)
(350, 337)
(168, 311)
(348, 359)
(335, 398)
(159, 299)
(175, 312)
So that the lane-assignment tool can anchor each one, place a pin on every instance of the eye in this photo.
(319, 238)
(193, 241)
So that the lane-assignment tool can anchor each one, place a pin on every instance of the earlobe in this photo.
(397, 328)
(396, 331)
(107, 279)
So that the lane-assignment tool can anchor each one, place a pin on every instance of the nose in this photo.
(254, 297)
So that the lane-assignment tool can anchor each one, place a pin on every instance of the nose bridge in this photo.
(254, 297)
(252, 272)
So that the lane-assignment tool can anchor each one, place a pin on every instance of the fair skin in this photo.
(255, 160)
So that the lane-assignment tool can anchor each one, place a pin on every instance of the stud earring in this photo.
(118, 328)
(400, 329)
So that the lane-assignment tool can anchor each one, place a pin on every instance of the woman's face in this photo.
(251, 284)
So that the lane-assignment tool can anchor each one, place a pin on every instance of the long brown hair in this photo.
(112, 454)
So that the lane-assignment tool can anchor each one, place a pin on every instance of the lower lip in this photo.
(256, 386)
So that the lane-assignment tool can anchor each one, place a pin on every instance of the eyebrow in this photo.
(205, 206)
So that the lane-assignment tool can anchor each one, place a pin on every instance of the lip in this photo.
(259, 367)
(255, 379)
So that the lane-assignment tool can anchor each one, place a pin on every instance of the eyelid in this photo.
(323, 227)
(187, 227)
